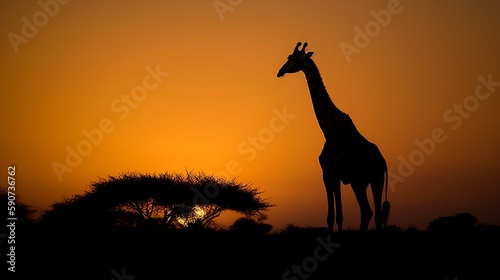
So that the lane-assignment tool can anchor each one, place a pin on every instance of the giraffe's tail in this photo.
(386, 206)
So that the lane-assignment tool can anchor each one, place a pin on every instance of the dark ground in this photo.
(306, 253)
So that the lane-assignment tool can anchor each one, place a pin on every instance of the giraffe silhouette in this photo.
(347, 156)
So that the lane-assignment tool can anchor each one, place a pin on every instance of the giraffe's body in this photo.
(347, 156)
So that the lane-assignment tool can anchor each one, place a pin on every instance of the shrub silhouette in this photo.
(250, 226)
(458, 223)
(23, 212)
(171, 200)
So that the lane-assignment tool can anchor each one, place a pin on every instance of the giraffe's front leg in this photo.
(338, 203)
(330, 182)
(332, 185)
(330, 217)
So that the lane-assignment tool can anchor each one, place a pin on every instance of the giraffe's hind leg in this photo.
(377, 187)
(364, 206)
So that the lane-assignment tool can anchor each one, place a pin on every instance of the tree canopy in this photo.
(172, 200)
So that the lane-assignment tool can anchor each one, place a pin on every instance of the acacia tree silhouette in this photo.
(171, 200)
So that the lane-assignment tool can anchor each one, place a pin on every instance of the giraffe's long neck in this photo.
(327, 113)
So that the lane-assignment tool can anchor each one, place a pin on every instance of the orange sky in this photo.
(189, 85)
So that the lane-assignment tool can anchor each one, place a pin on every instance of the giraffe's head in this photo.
(296, 61)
